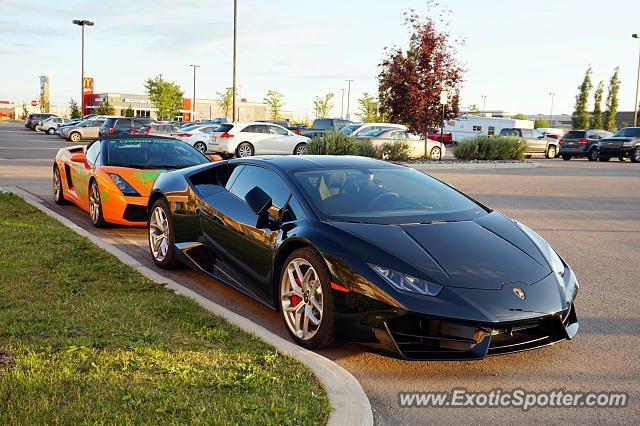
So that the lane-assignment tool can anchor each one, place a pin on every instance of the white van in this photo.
(469, 126)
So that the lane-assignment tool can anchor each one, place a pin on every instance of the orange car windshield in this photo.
(151, 154)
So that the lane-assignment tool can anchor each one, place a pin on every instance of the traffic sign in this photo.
(34, 103)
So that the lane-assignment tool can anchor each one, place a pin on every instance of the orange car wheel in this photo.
(57, 187)
(95, 206)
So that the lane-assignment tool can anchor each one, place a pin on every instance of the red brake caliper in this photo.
(296, 299)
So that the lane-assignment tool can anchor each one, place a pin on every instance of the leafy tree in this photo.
(75, 109)
(25, 110)
(612, 102)
(520, 117)
(624, 124)
(129, 112)
(274, 103)
(580, 117)
(226, 101)
(368, 111)
(410, 83)
(596, 116)
(540, 122)
(322, 106)
(104, 109)
(166, 96)
(473, 109)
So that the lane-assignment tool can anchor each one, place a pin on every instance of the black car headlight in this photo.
(123, 185)
(407, 282)
(550, 254)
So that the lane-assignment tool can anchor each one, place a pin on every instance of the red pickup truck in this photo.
(434, 135)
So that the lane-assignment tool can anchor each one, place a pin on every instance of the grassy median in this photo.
(84, 338)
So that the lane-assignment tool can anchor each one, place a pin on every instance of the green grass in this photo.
(84, 338)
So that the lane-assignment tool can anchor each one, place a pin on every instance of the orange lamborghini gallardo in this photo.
(112, 176)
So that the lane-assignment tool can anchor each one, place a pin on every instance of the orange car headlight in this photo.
(123, 185)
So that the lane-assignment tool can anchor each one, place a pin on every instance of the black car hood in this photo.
(481, 254)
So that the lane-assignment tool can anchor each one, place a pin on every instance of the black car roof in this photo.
(133, 137)
(300, 162)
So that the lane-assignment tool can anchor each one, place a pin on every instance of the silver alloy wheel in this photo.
(301, 149)
(551, 153)
(159, 234)
(57, 186)
(51, 130)
(94, 203)
(200, 146)
(435, 153)
(635, 155)
(301, 296)
(245, 151)
(75, 137)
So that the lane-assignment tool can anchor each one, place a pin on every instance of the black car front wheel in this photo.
(161, 238)
(306, 300)
(593, 155)
(635, 156)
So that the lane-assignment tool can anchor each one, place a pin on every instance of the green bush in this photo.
(368, 150)
(491, 148)
(396, 151)
(333, 143)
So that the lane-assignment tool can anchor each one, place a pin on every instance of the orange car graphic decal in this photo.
(147, 178)
(79, 179)
(104, 196)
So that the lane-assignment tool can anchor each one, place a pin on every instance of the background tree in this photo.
(540, 123)
(519, 117)
(368, 111)
(74, 109)
(411, 82)
(596, 116)
(25, 110)
(129, 112)
(166, 96)
(624, 124)
(274, 103)
(322, 106)
(226, 100)
(612, 102)
(104, 108)
(473, 108)
(580, 117)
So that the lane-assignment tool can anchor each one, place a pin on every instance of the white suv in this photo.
(256, 138)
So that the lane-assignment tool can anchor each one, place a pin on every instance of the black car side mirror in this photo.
(260, 203)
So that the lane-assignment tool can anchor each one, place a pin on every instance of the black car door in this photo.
(242, 249)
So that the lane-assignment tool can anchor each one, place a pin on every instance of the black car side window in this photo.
(268, 181)
(123, 124)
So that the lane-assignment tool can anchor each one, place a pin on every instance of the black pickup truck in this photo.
(321, 125)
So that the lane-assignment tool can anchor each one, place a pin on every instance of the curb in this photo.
(423, 167)
(349, 402)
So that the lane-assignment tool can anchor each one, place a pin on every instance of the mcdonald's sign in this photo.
(87, 85)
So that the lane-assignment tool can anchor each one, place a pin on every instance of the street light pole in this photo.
(235, 42)
(635, 107)
(348, 97)
(82, 23)
(552, 94)
(194, 91)
(484, 101)
(342, 105)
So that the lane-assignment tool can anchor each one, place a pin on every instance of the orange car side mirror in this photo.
(78, 158)
(215, 158)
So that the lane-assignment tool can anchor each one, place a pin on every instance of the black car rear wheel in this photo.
(566, 157)
(635, 156)
(161, 238)
(593, 155)
(306, 299)
(604, 158)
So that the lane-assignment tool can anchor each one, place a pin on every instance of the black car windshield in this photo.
(151, 154)
(383, 195)
(633, 132)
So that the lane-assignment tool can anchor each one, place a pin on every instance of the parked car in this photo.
(87, 129)
(363, 250)
(537, 143)
(247, 139)
(283, 123)
(33, 120)
(624, 143)
(197, 135)
(124, 125)
(435, 149)
(581, 143)
(357, 129)
(297, 129)
(70, 123)
(159, 130)
(321, 125)
(49, 125)
(434, 135)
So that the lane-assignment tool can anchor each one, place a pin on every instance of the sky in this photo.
(515, 53)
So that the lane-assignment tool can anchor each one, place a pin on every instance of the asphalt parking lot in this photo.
(588, 211)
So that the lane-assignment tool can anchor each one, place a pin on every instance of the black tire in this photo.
(58, 189)
(566, 157)
(166, 260)
(51, 131)
(435, 152)
(552, 152)
(605, 159)
(635, 156)
(200, 146)
(95, 206)
(623, 159)
(75, 137)
(300, 149)
(592, 155)
(245, 149)
(324, 334)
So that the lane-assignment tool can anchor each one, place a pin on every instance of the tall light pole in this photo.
(82, 23)
(348, 97)
(342, 105)
(552, 94)
(635, 107)
(235, 43)
(194, 91)
(484, 102)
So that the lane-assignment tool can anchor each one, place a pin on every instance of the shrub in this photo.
(491, 148)
(396, 151)
(333, 143)
(368, 150)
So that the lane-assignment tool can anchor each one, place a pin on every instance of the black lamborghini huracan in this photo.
(364, 250)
